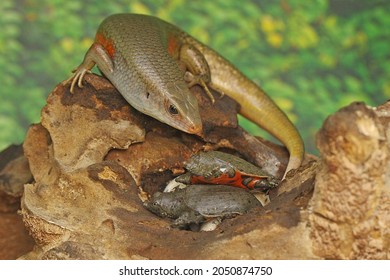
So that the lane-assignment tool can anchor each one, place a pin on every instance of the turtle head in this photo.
(165, 204)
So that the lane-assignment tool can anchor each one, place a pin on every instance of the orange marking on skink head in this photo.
(107, 44)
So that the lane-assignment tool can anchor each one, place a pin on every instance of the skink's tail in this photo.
(255, 104)
(259, 108)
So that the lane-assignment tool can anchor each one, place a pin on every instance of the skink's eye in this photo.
(173, 110)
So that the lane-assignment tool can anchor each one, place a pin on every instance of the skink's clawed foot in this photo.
(221, 94)
(206, 89)
(201, 80)
(77, 78)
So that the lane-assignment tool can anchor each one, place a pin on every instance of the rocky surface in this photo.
(94, 160)
(351, 201)
(14, 173)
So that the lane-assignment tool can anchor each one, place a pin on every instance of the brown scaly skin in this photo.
(139, 54)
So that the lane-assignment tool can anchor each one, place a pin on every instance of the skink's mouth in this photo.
(195, 129)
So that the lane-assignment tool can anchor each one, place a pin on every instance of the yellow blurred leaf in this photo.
(86, 43)
(327, 60)
(386, 89)
(284, 103)
(348, 42)
(358, 39)
(306, 37)
(139, 8)
(267, 24)
(199, 33)
(275, 40)
(270, 26)
(243, 44)
(67, 45)
(361, 38)
(330, 22)
(310, 37)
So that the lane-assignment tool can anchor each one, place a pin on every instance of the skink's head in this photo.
(171, 103)
(181, 108)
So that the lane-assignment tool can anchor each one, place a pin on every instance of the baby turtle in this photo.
(221, 168)
(196, 203)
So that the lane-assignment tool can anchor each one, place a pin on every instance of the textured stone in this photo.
(14, 173)
(94, 160)
(350, 207)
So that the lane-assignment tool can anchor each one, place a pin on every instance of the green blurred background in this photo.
(311, 57)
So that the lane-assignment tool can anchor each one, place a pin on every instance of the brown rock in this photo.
(14, 238)
(94, 159)
(83, 127)
(351, 202)
(14, 173)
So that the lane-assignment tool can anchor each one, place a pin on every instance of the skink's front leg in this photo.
(198, 71)
(95, 55)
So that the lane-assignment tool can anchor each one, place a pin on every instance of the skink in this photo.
(153, 63)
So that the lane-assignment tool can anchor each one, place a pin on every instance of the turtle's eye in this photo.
(173, 110)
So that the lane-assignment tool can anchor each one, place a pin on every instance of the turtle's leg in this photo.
(187, 219)
(211, 224)
(184, 178)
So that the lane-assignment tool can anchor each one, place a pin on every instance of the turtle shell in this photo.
(220, 168)
(219, 200)
(213, 163)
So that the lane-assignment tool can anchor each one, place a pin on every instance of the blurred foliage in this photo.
(312, 57)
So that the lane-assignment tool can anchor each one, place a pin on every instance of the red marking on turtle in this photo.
(237, 180)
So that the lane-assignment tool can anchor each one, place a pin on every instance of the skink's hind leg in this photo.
(192, 80)
(198, 71)
(95, 55)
